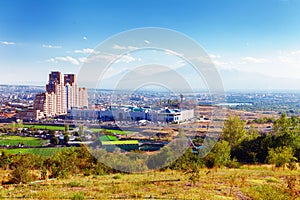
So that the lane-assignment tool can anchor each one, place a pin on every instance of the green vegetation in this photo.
(108, 138)
(45, 127)
(234, 131)
(13, 127)
(279, 147)
(35, 151)
(219, 175)
(15, 140)
(121, 132)
(280, 156)
(264, 120)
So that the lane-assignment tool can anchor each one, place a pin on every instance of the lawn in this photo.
(15, 140)
(246, 183)
(37, 151)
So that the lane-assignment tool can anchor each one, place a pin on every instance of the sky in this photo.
(254, 44)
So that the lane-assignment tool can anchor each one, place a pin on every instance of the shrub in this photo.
(21, 171)
(281, 156)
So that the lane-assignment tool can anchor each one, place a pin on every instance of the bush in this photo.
(233, 164)
(281, 156)
(5, 160)
(21, 171)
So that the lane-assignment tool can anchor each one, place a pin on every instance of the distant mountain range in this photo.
(232, 80)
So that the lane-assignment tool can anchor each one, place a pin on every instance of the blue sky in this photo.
(254, 37)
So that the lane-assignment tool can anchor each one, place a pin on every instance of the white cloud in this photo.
(85, 38)
(126, 59)
(69, 59)
(285, 59)
(292, 57)
(171, 52)
(255, 60)
(85, 51)
(213, 56)
(7, 43)
(201, 59)
(82, 59)
(147, 41)
(51, 46)
(118, 47)
(178, 64)
(295, 52)
(220, 63)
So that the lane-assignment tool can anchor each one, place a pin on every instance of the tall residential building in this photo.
(71, 91)
(62, 93)
(56, 86)
(83, 98)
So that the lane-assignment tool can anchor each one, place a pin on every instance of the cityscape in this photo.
(150, 99)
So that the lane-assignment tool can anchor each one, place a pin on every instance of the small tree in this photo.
(222, 150)
(234, 131)
(13, 127)
(219, 155)
(81, 129)
(66, 138)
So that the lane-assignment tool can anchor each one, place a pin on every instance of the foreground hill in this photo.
(248, 182)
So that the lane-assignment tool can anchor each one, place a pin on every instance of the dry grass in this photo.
(249, 182)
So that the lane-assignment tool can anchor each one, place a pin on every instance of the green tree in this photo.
(219, 155)
(252, 133)
(287, 132)
(234, 131)
(281, 156)
(254, 150)
(222, 153)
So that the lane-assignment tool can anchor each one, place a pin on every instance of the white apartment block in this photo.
(62, 93)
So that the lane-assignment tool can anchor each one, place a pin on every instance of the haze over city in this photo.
(253, 44)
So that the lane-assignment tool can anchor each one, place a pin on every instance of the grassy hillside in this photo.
(254, 182)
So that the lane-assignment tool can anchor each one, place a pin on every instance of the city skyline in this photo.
(253, 44)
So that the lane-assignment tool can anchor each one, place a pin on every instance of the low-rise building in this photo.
(132, 114)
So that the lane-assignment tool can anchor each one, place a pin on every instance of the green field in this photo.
(45, 127)
(15, 140)
(95, 130)
(36, 151)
